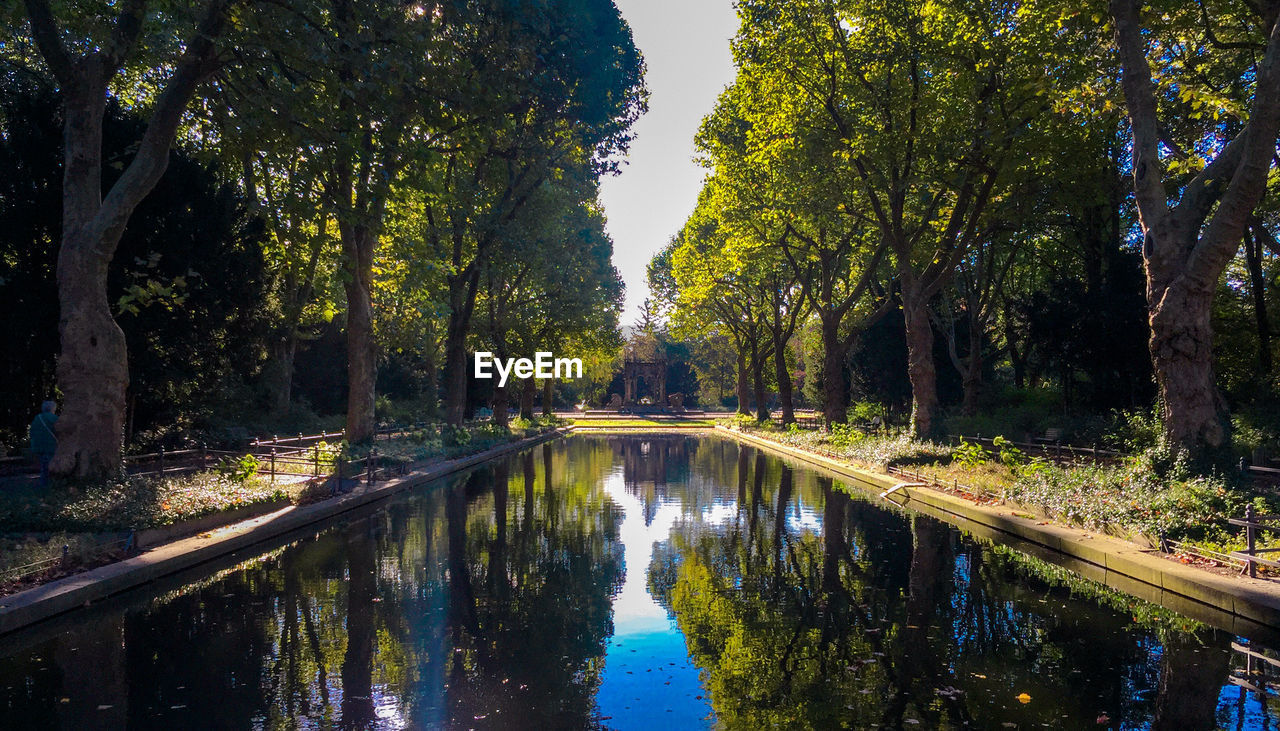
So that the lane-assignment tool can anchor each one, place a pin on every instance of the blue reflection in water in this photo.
(648, 680)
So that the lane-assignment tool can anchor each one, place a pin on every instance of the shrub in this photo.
(239, 469)
(454, 436)
(969, 454)
(843, 436)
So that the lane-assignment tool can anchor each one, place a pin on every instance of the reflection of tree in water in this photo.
(485, 602)
(468, 606)
(650, 464)
(880, 620)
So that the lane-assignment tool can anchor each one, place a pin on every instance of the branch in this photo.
(1221, 237)
(153, 151)
(48, 37)
(124, 36)
(1139, 93)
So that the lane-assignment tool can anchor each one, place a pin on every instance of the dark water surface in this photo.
(662, 582)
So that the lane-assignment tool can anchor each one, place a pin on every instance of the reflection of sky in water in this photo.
(648, 679)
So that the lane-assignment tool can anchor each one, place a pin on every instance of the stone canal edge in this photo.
(1239, 605)
(43, 602)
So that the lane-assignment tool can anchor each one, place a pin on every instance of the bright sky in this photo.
(686, 47)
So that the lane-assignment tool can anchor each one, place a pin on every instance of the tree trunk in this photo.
(920, 367)
(93, 368)
(973, 368)
(462, 297)
(548, 396)
(1258, 288)
(743, 397)
(1182, 353)
(280, 375)
(358, 244)
(835, 394)
(500, 406)
(784, 383)
(528, 390)
(757, 382)
(1188, 244)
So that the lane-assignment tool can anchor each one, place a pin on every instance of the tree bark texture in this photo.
(548, 396)
(500, 406)
(528, 391)
(758, 357)
(462, 300)
(784, 384)
(835, 392)
(920, 366)
(744, 397)
(358, 243)
(93, 368)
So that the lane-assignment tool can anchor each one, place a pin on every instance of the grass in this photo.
(641, 423)
(1151, 494)
(451, 443)
(133, 502)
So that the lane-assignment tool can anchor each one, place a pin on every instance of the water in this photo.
(632, 582)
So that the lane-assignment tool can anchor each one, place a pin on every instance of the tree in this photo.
(925, 101)
(186, 285)
(93, 368)
(716, 292)
(564, 88)
(555, 284)
(1194, 206)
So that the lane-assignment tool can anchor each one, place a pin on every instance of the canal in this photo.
(647, 581)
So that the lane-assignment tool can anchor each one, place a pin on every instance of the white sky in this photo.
(686, 47)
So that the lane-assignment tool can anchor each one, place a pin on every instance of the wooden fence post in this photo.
(161, 462)
(273, 465)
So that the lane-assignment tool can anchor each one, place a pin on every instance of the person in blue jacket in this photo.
(44, 442)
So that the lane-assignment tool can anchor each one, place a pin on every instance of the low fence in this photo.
(279, 455)
(805, 418)
(1053, 449)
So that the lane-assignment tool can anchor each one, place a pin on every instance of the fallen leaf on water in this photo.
(1103, 718)
(1024, 698)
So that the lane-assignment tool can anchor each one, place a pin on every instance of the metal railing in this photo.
(805, 418)
(84, 557)
(1055, 449)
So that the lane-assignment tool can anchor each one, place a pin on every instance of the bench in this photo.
(1051, 436)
